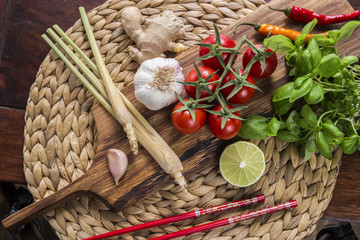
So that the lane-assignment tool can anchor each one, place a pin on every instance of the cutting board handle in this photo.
(47, 204)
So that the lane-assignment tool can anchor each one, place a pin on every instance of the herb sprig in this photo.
(326, 84)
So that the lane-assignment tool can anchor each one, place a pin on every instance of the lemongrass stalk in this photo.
(89, 74)
(145, 133)
(121, 112)
(77, 49)
(85, 82)
(94, 80)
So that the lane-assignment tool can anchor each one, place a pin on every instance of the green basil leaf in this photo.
(307, 155)
(323, 145)
(299, 80)
(310, 147)
(315, 72)
(346, 61)
(300, 40)
(303, 63)
(283, 92)
(358, 145)
(309, 27)
(293, 72)
(348, 145)
(291, 58)
(348, 29)
(279, 43)
(315, 95)
(309, 115)
(334, 34)
(288, 136)
(310, 143)
(291, 124)
(324, 41)
(282, 107)
(303, 124)
(331, 131)
(345, 74)
(273, 127)
(329, 50)
(301, 91)
(254, 127)
(329, 65)
(315, 53)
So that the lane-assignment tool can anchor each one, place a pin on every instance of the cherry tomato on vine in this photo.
(183, 121)
(192, 77)
(231, 128)
(244, 95)
(213, 62)
(269, 66)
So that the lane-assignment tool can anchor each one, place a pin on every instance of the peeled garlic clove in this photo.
(117, 162)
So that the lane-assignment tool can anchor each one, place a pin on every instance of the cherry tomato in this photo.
(269, 66)
(214, 62)
(192, 77)
(244, 95)
(231, 128)
(183, 121)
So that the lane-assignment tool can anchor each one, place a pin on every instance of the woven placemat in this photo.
(60, 143)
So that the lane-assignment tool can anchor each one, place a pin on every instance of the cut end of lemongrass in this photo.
(131, 137)
(180, 180)
(144, 133)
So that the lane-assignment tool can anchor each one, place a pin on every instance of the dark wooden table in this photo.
(21, 52)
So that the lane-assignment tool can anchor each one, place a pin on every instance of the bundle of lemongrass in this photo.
(98, 81)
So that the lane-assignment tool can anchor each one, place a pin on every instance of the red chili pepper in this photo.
(304, 15)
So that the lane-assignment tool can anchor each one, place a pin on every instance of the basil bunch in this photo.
(326, 85)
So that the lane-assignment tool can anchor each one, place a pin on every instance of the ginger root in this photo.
(157, 36)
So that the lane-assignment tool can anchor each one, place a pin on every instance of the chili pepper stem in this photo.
(286, 10)
(256, 26)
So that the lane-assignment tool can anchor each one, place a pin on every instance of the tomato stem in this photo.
(240, 78)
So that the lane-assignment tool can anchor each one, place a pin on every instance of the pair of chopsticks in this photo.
(201, 212)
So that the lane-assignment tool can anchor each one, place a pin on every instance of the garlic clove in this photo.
(117, 162)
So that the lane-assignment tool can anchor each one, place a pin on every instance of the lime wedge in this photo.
(242, 163)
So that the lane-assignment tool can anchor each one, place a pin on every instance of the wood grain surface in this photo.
(21, 52)
(22, 23)
(202, 148)
(11, 143)
(25, 22)
(2, 12)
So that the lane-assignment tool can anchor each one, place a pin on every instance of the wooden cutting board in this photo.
(197, 151)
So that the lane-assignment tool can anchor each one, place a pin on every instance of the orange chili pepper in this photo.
(265, 29)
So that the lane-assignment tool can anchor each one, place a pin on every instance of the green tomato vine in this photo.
(239, 81)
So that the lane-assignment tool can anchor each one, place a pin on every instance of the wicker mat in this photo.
(60, 143)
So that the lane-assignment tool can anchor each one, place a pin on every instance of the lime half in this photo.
(242, 163)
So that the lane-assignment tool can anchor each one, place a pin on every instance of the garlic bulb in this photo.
(156, 82)
(117, 162)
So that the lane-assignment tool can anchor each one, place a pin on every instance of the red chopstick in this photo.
(180, 217)
(227, 221)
